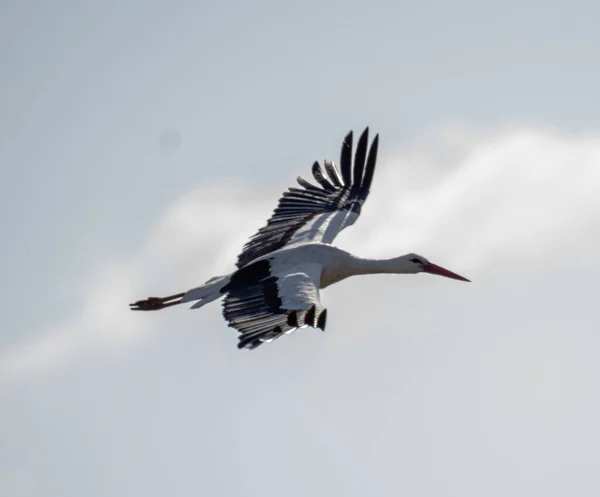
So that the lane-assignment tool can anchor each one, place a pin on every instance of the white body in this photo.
(301, 266)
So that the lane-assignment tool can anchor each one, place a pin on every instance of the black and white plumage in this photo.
(263, 303)
(318, 213)
(275, 288)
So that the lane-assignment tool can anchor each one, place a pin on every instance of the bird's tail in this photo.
(211, 290)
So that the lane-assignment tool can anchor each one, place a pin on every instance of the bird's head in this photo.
(419, 264)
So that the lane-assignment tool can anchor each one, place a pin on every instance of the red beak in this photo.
(440, 271)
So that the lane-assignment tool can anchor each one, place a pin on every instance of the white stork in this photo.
(275, 288)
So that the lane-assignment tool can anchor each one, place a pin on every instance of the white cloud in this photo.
(527, 193)
(470, 201)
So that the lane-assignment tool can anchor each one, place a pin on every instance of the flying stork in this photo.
(275, 288)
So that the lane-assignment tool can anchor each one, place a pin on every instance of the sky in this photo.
(142, 143)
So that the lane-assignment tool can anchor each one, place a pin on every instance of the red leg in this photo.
(156, 303)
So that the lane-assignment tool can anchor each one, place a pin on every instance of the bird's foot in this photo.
(156, 303)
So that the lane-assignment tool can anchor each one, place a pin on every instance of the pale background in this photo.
(142, 142)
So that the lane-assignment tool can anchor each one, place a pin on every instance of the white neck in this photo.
(351, 266)
(396, 265)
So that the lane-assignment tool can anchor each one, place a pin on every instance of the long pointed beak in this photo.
(440, 271)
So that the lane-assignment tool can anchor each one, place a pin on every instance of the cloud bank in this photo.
(478, 203)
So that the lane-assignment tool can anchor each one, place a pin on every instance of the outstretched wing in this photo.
(264, 303)
(318, 213)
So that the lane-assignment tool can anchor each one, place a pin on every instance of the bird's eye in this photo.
(417, 261)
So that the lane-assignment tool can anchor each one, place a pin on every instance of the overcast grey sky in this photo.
(141, 143)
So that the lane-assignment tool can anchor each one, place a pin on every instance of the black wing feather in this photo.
(360, 156)
(320, 177)
(297, 206)
(333, 174)
(370, 169)
(307, 184)
(346, 159)
(253, 307)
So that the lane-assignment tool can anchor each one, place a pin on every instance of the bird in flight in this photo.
(275, 288)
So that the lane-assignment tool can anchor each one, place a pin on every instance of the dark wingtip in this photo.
(322, 321)
(370, 167)
(346, 159)
(359, 157)
(248, 344)
(309, 317)
(364, 135)
(318, 174)
(252, 339)
(292, 319)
